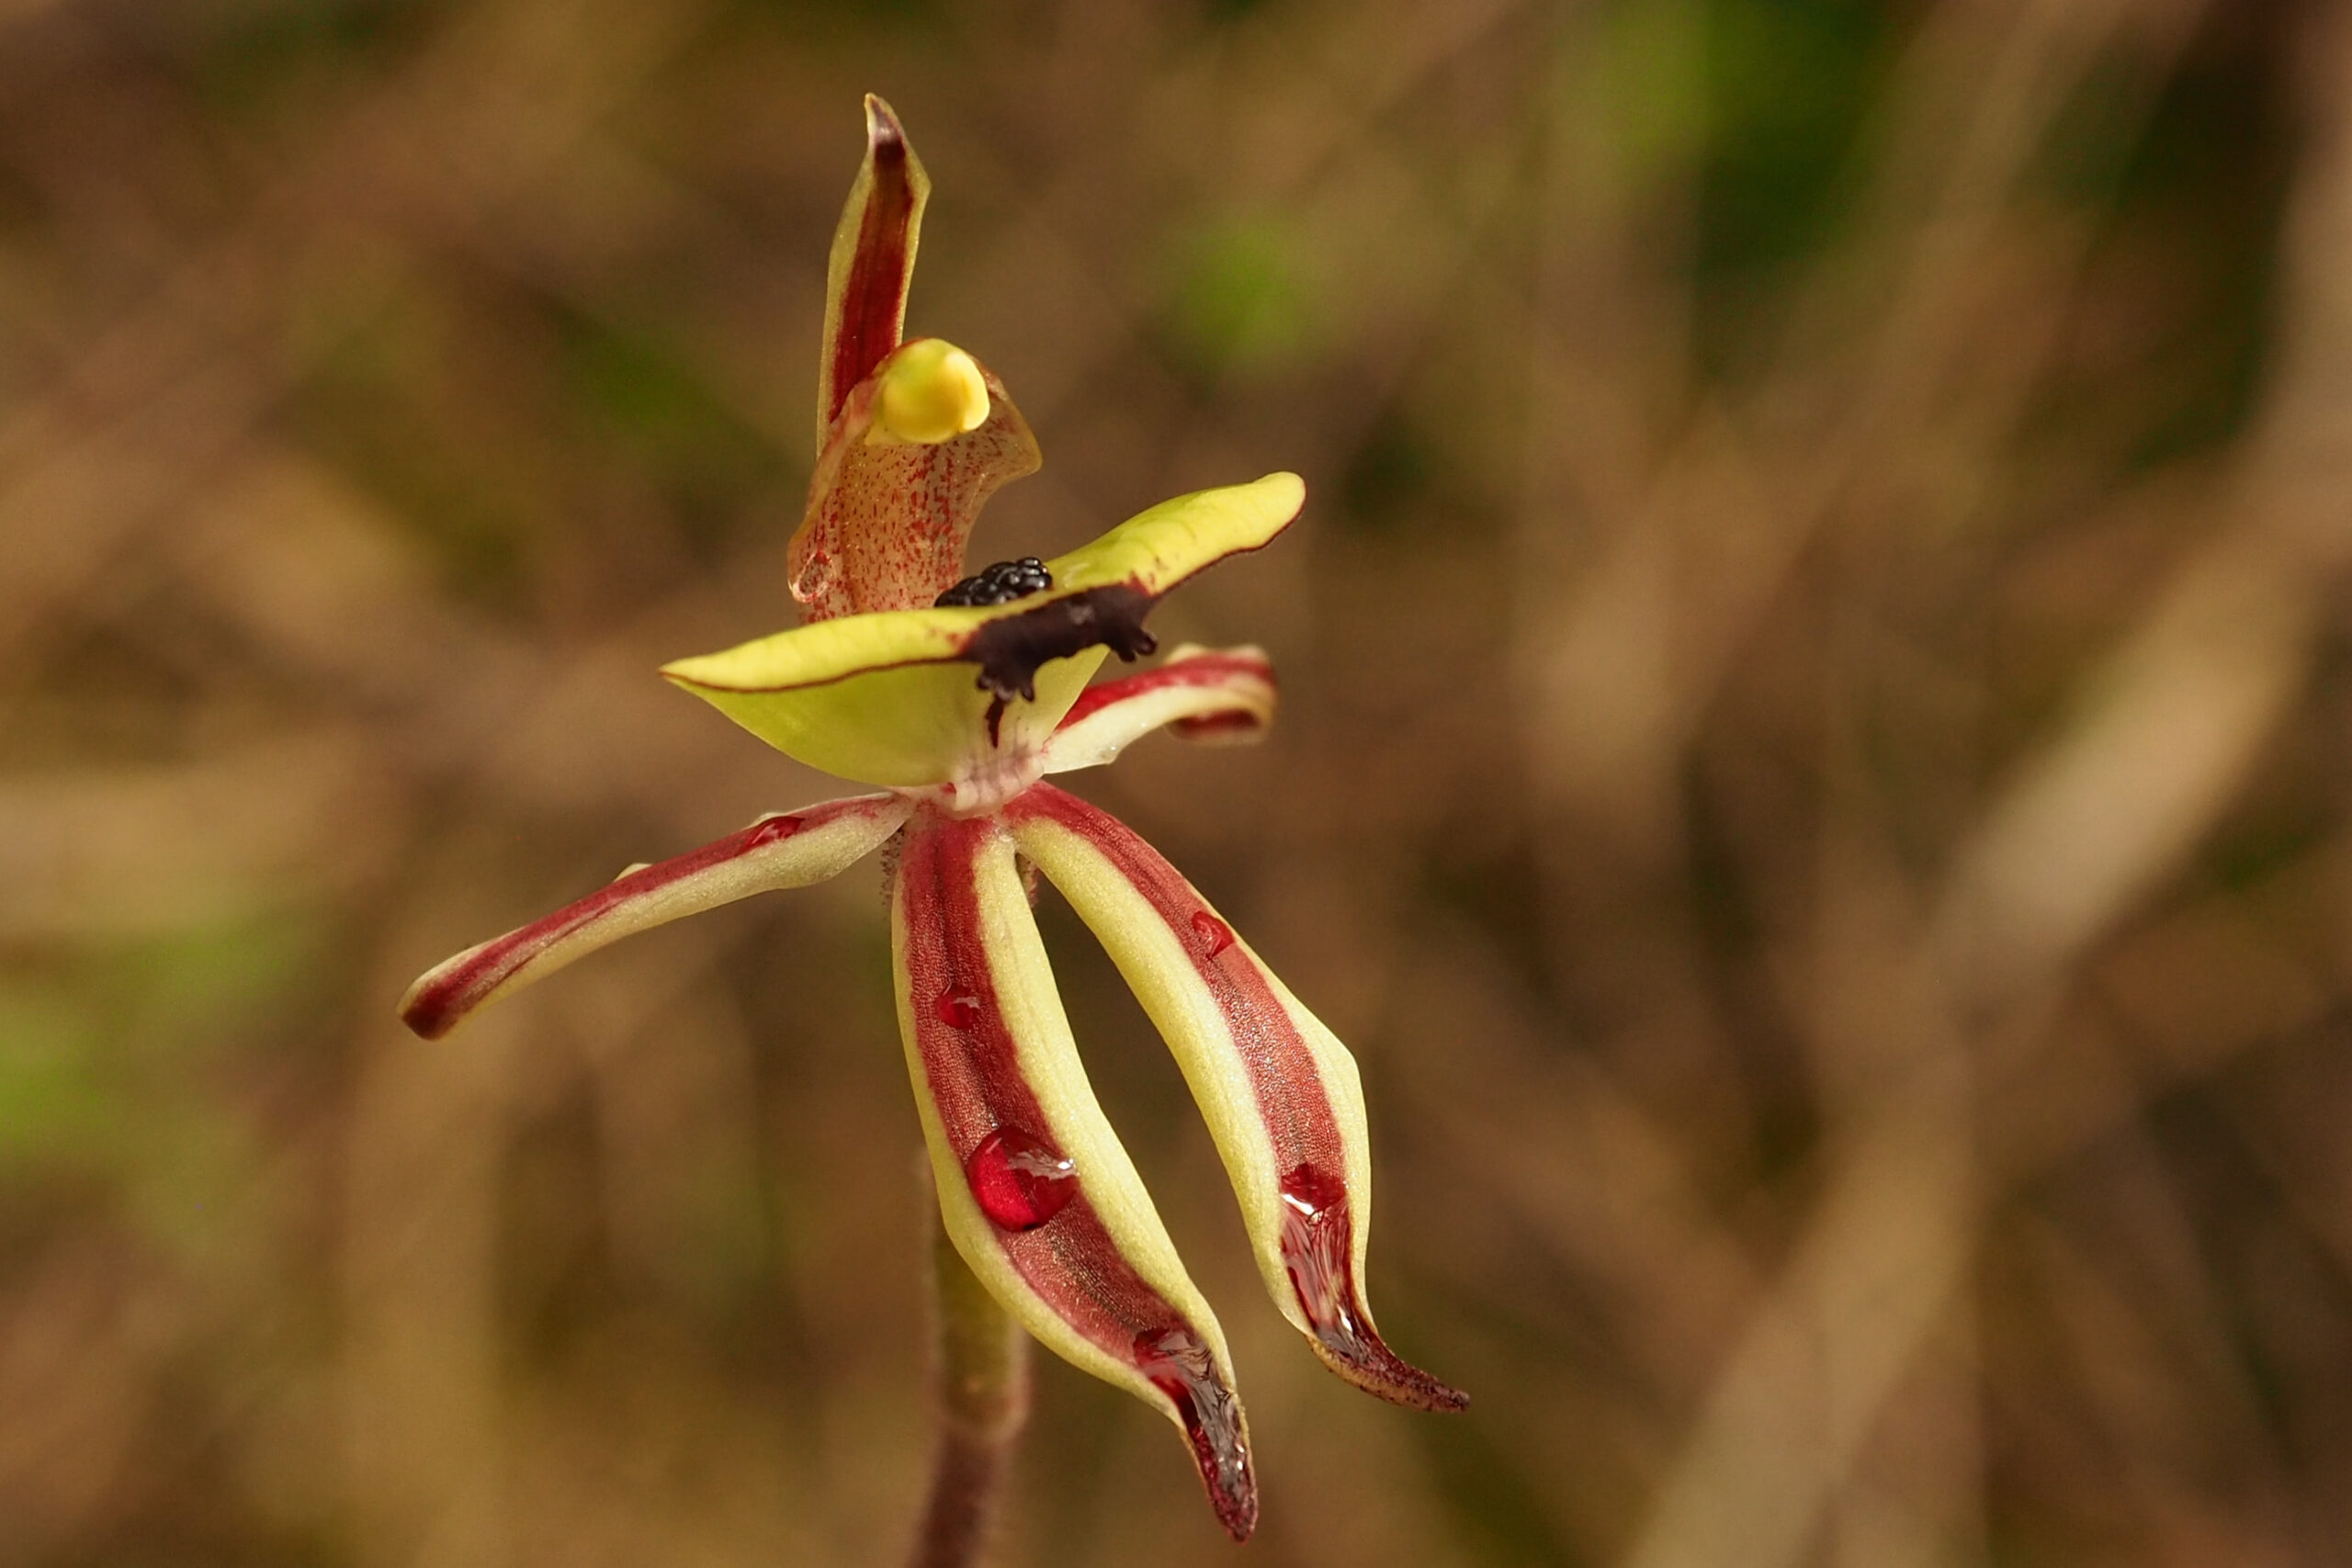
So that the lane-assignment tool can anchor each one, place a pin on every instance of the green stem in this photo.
(980, 1361)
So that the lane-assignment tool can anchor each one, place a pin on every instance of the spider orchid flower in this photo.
(958, 696)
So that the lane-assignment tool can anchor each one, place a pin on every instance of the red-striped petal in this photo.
(1210, 694)
(1034, 1189)
(873, 261)
(1279, 1091)
(789, 850)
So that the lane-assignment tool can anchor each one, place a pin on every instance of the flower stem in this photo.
(980, 1360)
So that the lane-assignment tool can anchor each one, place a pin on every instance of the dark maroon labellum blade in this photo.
(1010, 649)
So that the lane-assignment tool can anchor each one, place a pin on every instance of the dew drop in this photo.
(1215, 932)
(814, 580)
(771, 830)
(957, 1010)
(1021, 1181)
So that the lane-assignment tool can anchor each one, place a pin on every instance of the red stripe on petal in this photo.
(874, 295)
(1201, 670)
(1318, 1225)
(1220, 727)
(1049, 1232)
(446, 996)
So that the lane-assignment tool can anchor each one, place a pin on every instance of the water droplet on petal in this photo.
(1021, 1181)
(1310, 1191)
(814, 580)
(771, 830)
(1213, 932)
(957, 1010)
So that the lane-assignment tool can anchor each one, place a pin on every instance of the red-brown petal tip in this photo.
(882, 127)
(1318, 1248)
(1179, 1365)
(1362, 1358)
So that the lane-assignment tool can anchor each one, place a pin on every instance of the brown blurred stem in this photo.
(980, 1361)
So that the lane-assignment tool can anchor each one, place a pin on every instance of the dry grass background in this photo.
(1813, 774)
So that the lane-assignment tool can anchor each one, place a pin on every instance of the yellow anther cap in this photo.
(931, 390)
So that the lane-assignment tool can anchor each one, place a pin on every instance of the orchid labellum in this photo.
(958, 695)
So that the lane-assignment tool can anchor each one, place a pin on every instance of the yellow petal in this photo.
(1155, 551)
(905, 725)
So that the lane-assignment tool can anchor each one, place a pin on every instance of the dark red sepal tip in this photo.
(1179, 1364)
(1318, 1251)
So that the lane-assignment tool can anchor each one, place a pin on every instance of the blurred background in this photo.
(1812, 775)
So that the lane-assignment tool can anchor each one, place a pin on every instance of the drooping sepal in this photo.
(920, 697)
(1217, 697)
(1034, 1190)
(1279, 1091)
(786, 849)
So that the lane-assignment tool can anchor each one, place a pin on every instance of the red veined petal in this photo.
(1278, 1090)
(1033, 1187)
(788, 850)
(1212, 694)
(873, 261)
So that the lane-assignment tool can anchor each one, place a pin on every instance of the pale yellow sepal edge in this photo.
(1023, 979)
(1161, 973)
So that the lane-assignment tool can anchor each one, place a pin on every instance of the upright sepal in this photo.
(1279, 1091)
(1034, 1189)
(873, 261)
(787, 849)
(912, 438)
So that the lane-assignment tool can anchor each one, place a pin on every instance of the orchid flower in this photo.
(958, 696)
